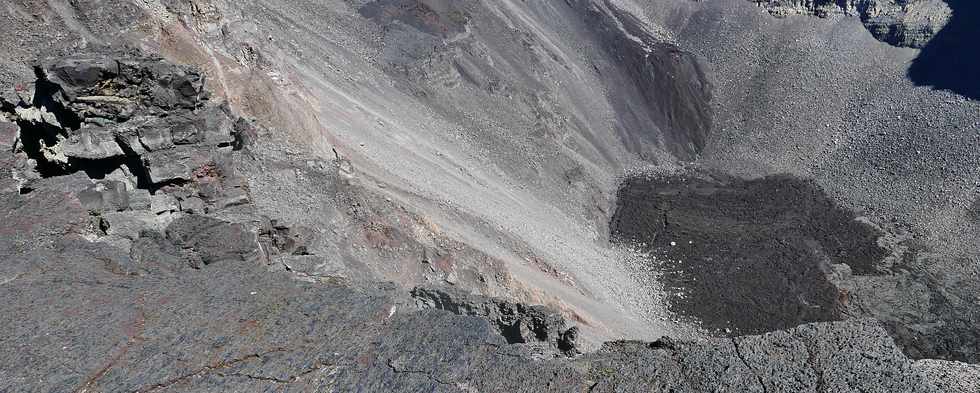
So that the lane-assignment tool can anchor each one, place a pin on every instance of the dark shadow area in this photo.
(746, 256)
(951, 61)
(46, 95)
(35, 137)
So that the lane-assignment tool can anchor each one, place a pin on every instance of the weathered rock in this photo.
(129, 225)
(105, 196)
(517, 323)
(749, 256)
(9, 160)
(96, 112)
(92, 144)
(140, 199)
(156, 135)
(163, 203)
(174, 164)
(289, 240)
(192, 205)
(214, 240)
(907, 23)
(950, 376)
(830, 357)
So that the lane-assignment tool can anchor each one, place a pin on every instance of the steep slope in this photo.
(468, 155)
(823, 100)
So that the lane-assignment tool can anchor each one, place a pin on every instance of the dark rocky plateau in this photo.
(747, 256)
(753, 256)
(488, 196)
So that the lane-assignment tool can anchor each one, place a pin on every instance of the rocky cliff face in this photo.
(907, 23)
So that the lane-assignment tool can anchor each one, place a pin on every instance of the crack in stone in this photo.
(741, 357)
(427, 374)
(206, 370)
(256, 377)
(214, 369)
(134, 337)
(289, 379)
(821, 383)
(12, 279)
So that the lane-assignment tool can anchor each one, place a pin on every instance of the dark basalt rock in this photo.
(516, 322)
(746, 256)
(213, 239)
(100, 112)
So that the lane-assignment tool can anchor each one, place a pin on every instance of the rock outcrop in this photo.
(908, 23)
(120, 116)
(753, 256)
(142, 130)
(516, 322)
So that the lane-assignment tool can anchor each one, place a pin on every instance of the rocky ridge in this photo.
(906, 23)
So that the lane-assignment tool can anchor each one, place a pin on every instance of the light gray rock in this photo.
(140, 199)
(92, 144)
(174, 164)
(129, 225)
(192, 205)
(105, 196)
(156, 135)
(163, 203)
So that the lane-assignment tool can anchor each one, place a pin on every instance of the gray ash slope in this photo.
(419, 198)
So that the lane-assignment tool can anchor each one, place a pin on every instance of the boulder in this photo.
(92, 144)
(214, 240)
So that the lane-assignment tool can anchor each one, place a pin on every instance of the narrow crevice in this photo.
(256, 378)
(738, 352)
(821, 383)
(427, 374)
(45, 92)
(206, 370)
(35, 138)
(136, 166)
(96, 169)
(154, 187)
